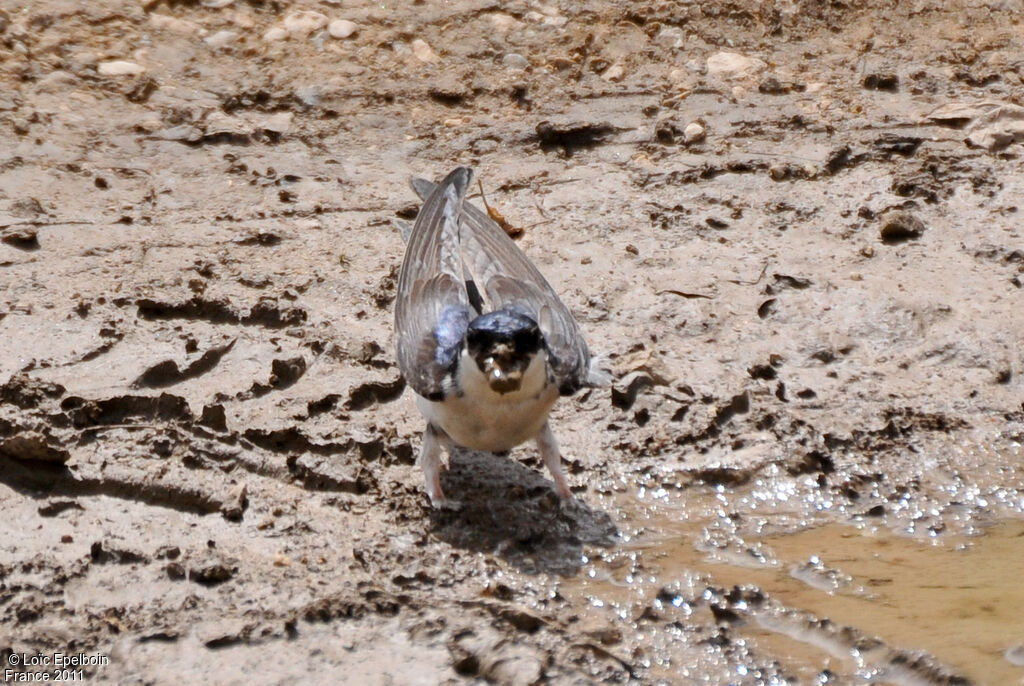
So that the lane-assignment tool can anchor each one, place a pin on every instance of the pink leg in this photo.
(430, 463)
(548, 447)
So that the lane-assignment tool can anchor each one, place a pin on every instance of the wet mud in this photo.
(792, 230)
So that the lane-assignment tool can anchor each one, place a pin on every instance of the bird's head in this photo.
(503, 343)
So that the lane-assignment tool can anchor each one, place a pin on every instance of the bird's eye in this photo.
(525, 340)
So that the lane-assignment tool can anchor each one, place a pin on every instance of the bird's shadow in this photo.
(509, 510)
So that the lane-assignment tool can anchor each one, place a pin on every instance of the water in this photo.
(956, 598)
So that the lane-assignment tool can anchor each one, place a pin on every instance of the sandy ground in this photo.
(792, 228)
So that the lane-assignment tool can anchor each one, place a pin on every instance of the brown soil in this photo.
(206, 455)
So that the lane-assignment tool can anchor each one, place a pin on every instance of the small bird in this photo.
(482, 337)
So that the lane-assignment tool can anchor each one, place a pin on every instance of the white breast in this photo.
(482, 419)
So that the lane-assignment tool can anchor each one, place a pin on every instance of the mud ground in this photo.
(792, 228)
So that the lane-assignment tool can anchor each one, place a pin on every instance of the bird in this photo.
(481, 337)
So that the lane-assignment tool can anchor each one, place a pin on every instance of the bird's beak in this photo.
(504, 371)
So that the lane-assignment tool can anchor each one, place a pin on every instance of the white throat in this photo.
(480, 418)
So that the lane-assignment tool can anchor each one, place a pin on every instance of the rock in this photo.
(235, 503)
(626, 390)
(221, 39)
(219, 124)
(342, 28)
(670, 37)
(694, 132)
(216, 4)
(120, 68)
(57, 82)
(275, 34)
(548, 17)
(278, 123)
(423, 52)
(23, 238)
(732, 66)
(173, 24)
(33, 446)
(515, 61)
(957, 115)
(998, 128)
(304, 22)
(185, 133)
(516, 668)
(900, 226)
(503, 22)
(614, 73)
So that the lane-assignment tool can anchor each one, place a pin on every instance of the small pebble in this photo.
(694, 132)
(275, 34)
(671, 37)
(221, 39)
(304, 22)
(423, 51)
(514, 60)
(342, 28)
(503, 22)
(120, 68)
(901, 226)
(173, 24)
(732, 65)
(614, 73)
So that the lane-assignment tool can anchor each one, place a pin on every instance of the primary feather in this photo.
(498, 269)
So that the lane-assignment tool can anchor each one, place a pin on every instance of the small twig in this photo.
(42, 223)
(497, 217)
(682, 294)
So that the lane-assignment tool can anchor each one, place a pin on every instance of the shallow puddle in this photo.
(958, 598)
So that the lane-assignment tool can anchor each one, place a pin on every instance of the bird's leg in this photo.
(430, 463)
(548, 447)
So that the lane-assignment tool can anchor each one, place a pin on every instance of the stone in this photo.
(614, 73)
(899, 226)
(503, 22)
(342, 28)
(694, 132)
(304, 22)
(275, 34)
(120, 68)
(173, 24)
(515, 61)
(423, 52)
(221, 39)
(732, 65)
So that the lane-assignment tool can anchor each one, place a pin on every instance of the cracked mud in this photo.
(791, 229)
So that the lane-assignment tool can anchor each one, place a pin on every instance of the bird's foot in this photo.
(446, 504)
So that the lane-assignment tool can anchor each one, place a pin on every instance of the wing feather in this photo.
(505, 275)
(432, 305)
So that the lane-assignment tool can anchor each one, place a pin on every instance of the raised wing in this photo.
(432, 307)
(504, 275)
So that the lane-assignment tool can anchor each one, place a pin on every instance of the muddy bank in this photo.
(793, 231)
